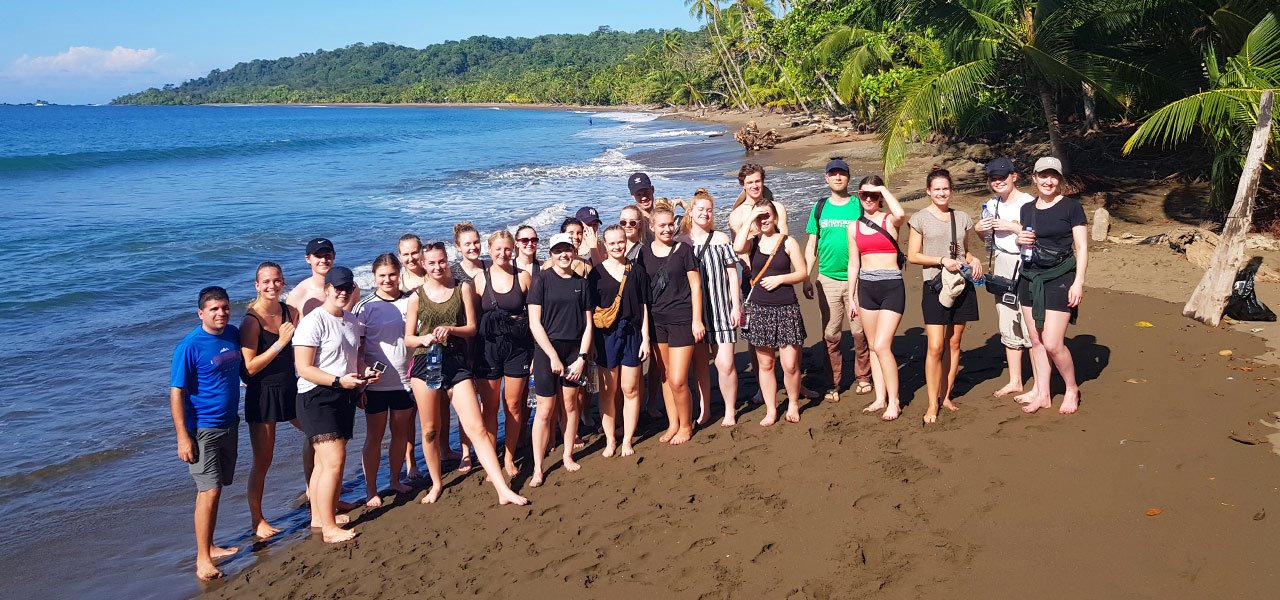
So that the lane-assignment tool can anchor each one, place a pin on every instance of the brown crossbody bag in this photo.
(604, 318)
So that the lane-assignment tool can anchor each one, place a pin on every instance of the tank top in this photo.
(874, 242)
(431, 314)
(511, 300)
(281, 367)
(782, 295)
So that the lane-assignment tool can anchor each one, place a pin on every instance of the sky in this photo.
(76, 52)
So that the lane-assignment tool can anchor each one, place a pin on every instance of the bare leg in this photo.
(465, 442)
(371, 456)
(702, 376)
(542, 431)
(881, 342)
(1013, 357)
(728, 383)
(937, 336)
(401, 446)
(570, 395)
(1041, 368)
(471, 421)
(428, 417)
(662, 359)
(206, 517)
(955, 333)
(410, 460)
(630, 382)
(262, 437)
(870, 322)
(1053, 336)
(446, 452)
(514, 390)
(678, 382)
(609, 393)
(790, 358)
(326, 483)
(768, 384)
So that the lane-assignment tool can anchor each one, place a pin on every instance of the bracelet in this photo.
(276, 347)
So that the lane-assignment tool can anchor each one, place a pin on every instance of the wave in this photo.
(18, 483)
(611, 162)
(91, 160)
(626, 117)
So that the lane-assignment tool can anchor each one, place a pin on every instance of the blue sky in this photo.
(83, 51)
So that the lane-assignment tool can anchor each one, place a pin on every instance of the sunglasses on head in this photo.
(433, 246)
(527, 240)
(629, 222)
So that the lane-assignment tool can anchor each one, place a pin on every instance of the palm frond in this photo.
(925, 103)
(1213, 110)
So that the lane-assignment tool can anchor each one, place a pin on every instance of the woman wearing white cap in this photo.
(1051, 284)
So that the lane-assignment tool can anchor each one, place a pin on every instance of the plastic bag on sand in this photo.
(1243, 305)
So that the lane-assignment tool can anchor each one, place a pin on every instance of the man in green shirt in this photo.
(828, 247)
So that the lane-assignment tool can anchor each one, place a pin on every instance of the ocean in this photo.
(132, 210)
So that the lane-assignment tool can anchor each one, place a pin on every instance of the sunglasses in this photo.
(433, 246)
(528, 240)
(351, 287)
(869, 195)
(629, 223)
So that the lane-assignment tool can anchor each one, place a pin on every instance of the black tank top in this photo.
(281, 368)
(511, 300)
(782, 295)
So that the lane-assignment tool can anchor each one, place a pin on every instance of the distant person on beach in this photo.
(623, 346)
(204, 396)
(326, 350)
(504, 345)
(1005, 260)
(590, 250)
(751, 178)
(875, 281)
(271, 385)
(940, 240)
(527, 250)
(828, 248)
(310, 293)
(676, 318)
(721, 306)
(632, 222)
(774, 326)
(442, 311)
(560, 321)
(1051, 284)
(382, 316)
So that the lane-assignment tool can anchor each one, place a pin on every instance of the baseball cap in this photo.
(318, 245)
(339, 276)
(837, 163)
(560, 238)
(588, 215)
(1048, 163)
(1000, 167)
(638, 181)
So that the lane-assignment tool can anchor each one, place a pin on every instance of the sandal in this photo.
(831, 396)
(863, 387)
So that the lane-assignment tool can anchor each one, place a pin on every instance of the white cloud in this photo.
(87, 60)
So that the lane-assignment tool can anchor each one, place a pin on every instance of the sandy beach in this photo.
(988, 501)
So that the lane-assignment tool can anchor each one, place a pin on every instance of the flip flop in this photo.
(863, 388)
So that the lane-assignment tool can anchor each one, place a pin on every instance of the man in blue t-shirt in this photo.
(204, 397)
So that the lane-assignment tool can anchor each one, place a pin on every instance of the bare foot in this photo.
(536, 480)
(339, 519)
(1025, 398)
(892, 412)
(400, 488)
(512, 469)
(510, 497)
(207, 572)
(570, 465)
(704, 415)
(769, 419)
(263, 530)
(464, 466)
(609, 450)
(931, 417)
(373, 501)
(626, 450)
(1034, 404)
(433, 495)
(1070, 402)
(1011, 388)
(217, 552)
(344, 506)
(728, 421)
(949, 405)
(875, 406)
(681, 437)
(793, 415)
(578, 444)
(337, 535)
(666, 437)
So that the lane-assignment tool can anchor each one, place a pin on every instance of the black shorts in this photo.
(495, 359)
(964, 309)
(378, 401)
(271, 401)
(546, 383)
(1055, 292)
(674, 335)
(887, 294)
(328, 412)
(619, 346)
(453, 368)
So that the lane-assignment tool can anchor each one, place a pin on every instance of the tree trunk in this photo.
(794, 90)
(1210, 298)
(725, 59)
(1090, 109)
(830, 89)
(742, 81)
(1050, 107)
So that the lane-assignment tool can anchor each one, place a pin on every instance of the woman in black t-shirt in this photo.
(676, 319)
(560, 321)
(1051, 285)
(623, 346)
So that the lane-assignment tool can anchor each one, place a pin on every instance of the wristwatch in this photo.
(337, 382)
(582, 355)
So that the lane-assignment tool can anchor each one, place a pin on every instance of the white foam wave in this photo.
(611, 162)
(680, 133)
(626, 117)
(547, 216)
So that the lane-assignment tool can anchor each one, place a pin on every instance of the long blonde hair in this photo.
(686, 225)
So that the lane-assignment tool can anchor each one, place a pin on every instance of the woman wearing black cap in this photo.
(442, 311)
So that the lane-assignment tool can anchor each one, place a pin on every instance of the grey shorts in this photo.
(215, 464)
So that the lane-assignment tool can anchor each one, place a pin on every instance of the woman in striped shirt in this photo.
(721, 306)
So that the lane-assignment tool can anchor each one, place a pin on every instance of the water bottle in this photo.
(593, 383)
(1026, 250)
(989, 212)
(532, 400)
(967, 272)
(435, 359)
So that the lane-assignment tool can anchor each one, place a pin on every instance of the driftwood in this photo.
(1210, 297)
(752, 138)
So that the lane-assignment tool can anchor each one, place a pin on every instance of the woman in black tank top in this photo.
(526, 258)
(503, 345)
(271, 386)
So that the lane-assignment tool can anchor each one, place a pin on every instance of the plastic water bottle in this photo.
(989, 212)
(435, 360)
(1026, 250)
(532, 400)
(592, 383)
(967, 272)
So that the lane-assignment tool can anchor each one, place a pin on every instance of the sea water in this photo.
(115, 217)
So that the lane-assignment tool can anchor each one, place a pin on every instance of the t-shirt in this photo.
(207, 368)
(383, 324)
(1011, 211)
(604, 288)
(1053, 225)
(563, 301)
(336, 340)
(936, 236)
(673, 304)
(833, 240)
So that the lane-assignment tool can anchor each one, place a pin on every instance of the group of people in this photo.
(672, 291)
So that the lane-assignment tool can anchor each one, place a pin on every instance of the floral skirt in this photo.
(773, 326)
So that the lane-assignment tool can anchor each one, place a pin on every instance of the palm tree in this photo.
(710, 11)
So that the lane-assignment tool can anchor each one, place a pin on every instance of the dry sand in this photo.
(988, 502)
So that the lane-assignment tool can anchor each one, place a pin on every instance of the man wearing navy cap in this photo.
(828, 248)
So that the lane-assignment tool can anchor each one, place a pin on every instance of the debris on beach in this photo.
(1143, 324)
(1225, 353)
(1153, 511)
(752, 139)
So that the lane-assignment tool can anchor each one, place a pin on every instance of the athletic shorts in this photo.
(546, 383)
(378, 401)
(495, 359)
(964, 310)
(215, 464)
(619, 346)
(453, 368)
(327, 413)
(886, 294)
(674, 335)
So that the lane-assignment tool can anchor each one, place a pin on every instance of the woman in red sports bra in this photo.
(875, 284)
